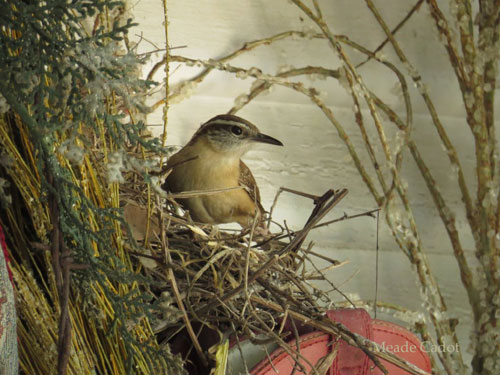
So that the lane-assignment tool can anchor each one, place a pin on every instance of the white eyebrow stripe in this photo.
(226, 122)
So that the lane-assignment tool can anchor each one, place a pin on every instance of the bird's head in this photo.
(229, 133)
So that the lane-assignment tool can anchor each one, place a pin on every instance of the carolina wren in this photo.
(210, 161)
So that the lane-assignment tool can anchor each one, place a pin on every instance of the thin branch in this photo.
(179, 89)
(394, 31)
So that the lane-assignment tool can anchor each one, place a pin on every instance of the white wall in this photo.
(314, 159)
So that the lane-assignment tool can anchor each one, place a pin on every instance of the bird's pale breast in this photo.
(211, 171)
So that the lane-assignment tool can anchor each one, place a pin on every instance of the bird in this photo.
(211, 160)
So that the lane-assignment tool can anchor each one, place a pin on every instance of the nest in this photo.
(233, 284)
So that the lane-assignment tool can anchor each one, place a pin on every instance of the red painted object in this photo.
(349, 360)
(3, 245)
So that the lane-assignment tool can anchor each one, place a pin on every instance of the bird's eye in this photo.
(236, 130)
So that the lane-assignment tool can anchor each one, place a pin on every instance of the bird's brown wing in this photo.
(248, 181)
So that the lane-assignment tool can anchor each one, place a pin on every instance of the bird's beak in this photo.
(263, 138)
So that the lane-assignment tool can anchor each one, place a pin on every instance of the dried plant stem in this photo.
(474, 100)
(62, 276)
(483, 218)
(415, 8)
(264, 85)
(292, 352)
(177, 91)
(167, 74)
(450, 149)
(61, 271)
(475, 70)
(443, 209)
(335, 45)
(180, 304)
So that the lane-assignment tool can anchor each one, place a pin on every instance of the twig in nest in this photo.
(326, 223)
(196, 193)
(348, 217)
(178, 298)
(325, 203)
(319, 212)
